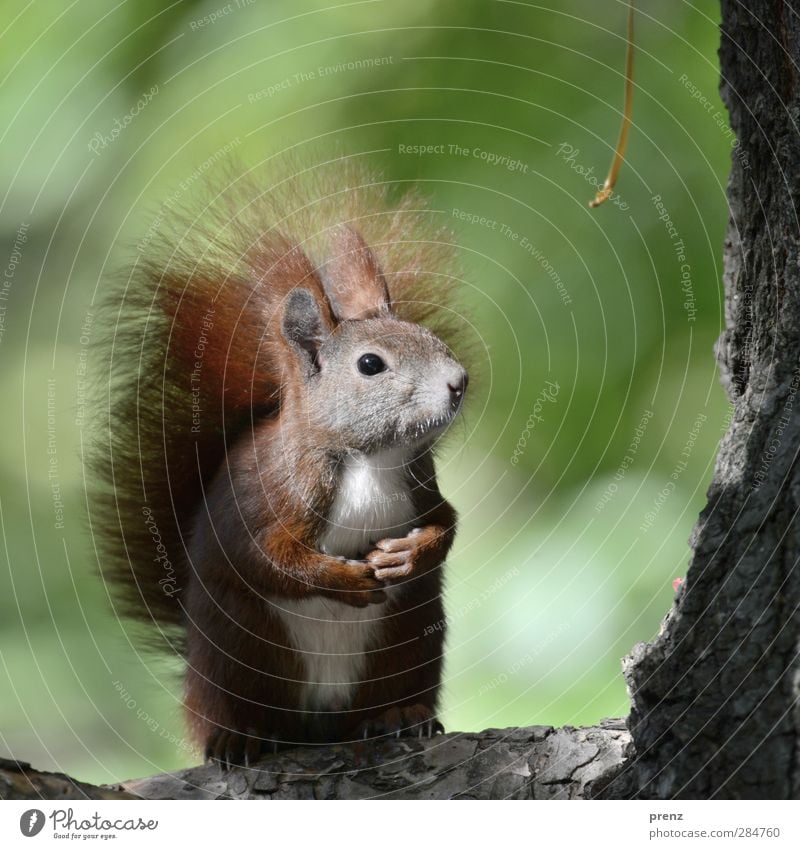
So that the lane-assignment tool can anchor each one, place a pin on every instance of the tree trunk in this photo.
(715, 698)
(715, 710)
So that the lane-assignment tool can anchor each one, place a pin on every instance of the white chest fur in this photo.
(372, 502)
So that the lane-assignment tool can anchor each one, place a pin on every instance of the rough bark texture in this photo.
(18, 780)
(715, 698)
(516, 763)
(715, 708)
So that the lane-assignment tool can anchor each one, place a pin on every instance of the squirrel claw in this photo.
(406, 721)
(233, 748)
(433, 727)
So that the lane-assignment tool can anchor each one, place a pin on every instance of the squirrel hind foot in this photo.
(401, 721)
(236, 748)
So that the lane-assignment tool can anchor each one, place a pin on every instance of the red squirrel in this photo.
(268, 495)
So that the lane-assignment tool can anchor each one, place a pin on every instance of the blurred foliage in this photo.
(558, 570)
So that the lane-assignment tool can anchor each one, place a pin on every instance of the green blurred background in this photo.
(576, 504)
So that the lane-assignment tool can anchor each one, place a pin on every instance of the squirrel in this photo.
(266, 494)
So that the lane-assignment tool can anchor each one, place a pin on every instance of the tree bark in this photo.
(19, 781)
(515, 763)
(715, 710)
(715, 698)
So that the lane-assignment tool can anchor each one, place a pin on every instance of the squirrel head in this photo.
(369, 381)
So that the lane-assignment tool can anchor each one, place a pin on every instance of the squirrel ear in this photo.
(353, 280)
(303, 326)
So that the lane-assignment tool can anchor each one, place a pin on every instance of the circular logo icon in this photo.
(31, 822)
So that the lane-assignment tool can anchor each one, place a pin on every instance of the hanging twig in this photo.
(619, 154)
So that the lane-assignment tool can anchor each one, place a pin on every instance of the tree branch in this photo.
(516, 763)
(18, 780)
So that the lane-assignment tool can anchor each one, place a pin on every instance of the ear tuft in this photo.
(304, 327)
(353, 280)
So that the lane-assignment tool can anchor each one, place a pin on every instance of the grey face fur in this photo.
(411, 400)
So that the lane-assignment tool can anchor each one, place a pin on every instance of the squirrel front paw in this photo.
(354, 582)
(397, 557)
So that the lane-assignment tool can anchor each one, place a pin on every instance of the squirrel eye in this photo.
(370, 364)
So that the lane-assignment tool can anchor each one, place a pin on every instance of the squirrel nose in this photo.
(458, 385)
